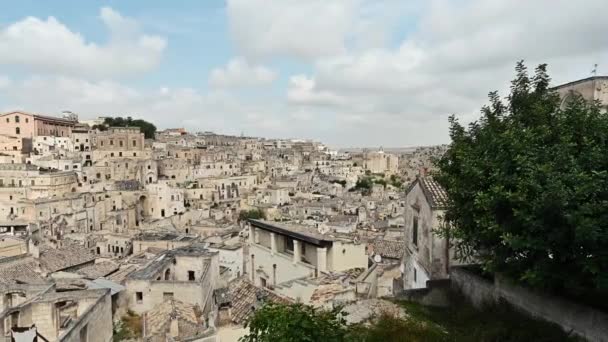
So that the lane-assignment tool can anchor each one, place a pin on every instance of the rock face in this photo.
(365, 309)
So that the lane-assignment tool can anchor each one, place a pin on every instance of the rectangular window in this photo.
(263, 282)
(16, 119)
(134, 143)
(17, 130)
(111, 142)
(415, 231)
(167, 296)
(84, 333)
(191, 276)
(288, 245)
(139, 297)
(120, 143)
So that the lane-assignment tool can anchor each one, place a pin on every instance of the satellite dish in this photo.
(377, 258)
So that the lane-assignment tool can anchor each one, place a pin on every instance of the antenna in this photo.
(594, 71)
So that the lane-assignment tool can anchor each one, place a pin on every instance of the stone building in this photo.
(119, 142)
(591, 88)
(427, 255)
(283, 252)
(73, 316)
(14, 149)
(19, 181)
(188, 274)
(380, 162)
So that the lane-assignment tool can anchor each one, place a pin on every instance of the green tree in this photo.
(255, 214)
(147, 128)
(294, 323)
(528, 187)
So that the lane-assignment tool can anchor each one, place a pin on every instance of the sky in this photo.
(345, 72)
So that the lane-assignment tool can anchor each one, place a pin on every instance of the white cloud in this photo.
(298, 28)
(239, 73)
(367, 74)
(458, 53)
(302, 90)
(50, 46)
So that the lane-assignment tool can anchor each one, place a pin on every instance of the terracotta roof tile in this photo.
(244, 298)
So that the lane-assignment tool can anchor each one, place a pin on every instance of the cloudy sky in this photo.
(346, 72)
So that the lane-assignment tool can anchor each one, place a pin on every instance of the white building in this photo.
(282, 252)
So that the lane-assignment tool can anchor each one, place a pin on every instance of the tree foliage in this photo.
(528, 187)
(295, 322)
(255, 214)
(147, 128)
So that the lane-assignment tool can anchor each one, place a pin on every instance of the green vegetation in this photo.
(255, 214)
(147, 128)
(365, 183)
(527, 185)
(295, 322)
(128, 328)
(395, 181)
(459, 322)
(462, 322)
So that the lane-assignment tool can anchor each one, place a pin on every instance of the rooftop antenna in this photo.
(594, 71)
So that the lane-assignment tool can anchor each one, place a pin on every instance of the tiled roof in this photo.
(387, 248)
(434, 193)
(20, 269)
(95, 271)
(121, 275)
(244, 298)
(57, 259)
(159, 318)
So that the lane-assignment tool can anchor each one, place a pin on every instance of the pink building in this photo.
(27, 125)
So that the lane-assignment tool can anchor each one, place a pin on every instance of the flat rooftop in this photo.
(301, 232)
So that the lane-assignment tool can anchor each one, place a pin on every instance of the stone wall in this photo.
(582, 320)
(95, 325)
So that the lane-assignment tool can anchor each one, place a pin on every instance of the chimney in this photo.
(33, 249)
(174, 327)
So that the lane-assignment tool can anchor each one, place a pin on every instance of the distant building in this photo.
(27, 125)
(380, 162)
(592, 88)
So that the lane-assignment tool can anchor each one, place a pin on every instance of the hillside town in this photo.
(185, 234)
(190, 231)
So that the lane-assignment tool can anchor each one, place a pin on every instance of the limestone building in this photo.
(280, 252)
(592, 88)
(427, 255)
(188, 274)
